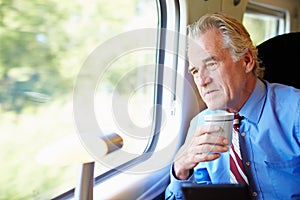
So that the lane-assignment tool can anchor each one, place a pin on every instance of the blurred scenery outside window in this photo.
(43, 45)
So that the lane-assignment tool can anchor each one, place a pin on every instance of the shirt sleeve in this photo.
(173, 190)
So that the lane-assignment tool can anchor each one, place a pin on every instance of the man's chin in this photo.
(214, 106)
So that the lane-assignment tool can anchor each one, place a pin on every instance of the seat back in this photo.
(281, 57)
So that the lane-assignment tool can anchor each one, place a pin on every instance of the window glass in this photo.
(263, 26)
(44, 46)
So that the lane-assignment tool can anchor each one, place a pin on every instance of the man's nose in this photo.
(202, 77)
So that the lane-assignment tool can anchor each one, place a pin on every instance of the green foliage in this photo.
(43, 44)
(23, 136)
(30, 53)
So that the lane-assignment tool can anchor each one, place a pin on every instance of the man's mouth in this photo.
(209, 93)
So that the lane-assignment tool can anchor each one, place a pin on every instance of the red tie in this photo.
(237, 171)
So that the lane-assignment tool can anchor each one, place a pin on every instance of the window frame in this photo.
(263, 9)
(157, 114)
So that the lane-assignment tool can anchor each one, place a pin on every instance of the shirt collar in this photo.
(252, 109)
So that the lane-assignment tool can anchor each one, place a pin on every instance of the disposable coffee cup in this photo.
(224, 120)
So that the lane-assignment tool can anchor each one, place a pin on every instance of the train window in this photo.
(44, 47)
(264, 22)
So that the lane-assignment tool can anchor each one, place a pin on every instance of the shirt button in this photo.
(248, 163)
(254, 194)
(243, 134)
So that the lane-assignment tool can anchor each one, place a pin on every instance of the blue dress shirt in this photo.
(270, 146)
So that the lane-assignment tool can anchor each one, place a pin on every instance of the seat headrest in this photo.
(281, 57)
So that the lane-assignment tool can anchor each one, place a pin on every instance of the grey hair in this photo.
(235, 36)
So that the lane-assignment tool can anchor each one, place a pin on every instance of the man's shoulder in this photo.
(284, 100)
(283, 92)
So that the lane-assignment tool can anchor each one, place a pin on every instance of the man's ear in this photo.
(249, 61)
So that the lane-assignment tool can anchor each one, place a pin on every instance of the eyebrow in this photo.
(209, 59)
(204, 61)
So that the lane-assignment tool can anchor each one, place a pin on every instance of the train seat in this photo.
(280, 56)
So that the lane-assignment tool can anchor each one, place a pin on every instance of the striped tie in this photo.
(237, 171)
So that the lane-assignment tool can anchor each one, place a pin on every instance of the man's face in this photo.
(220, 80)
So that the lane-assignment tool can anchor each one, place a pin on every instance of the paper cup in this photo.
(224, 120)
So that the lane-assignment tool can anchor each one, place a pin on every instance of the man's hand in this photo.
(201, 147)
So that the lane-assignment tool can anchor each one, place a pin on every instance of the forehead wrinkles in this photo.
(200, 50)
(195, 53)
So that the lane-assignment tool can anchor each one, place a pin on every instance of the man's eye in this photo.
(194, 71)
(211, 66)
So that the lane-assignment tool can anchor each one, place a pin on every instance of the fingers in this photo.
(183, 164)
(207, 128)
(206, 152)
(204, 157)
(205, 145)
(209, 148)
(210, 138)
